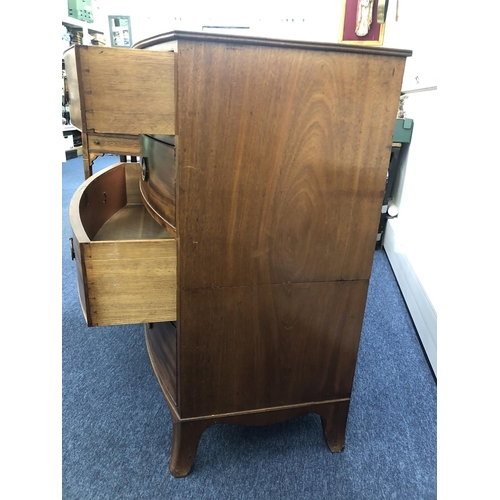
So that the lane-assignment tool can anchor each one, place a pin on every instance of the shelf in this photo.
(70, 22)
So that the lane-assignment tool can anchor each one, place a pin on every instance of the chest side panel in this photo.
(282, 160)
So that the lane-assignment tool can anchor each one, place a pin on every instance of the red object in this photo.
(349, 34)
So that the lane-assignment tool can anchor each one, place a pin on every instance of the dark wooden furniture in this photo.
(269, 187)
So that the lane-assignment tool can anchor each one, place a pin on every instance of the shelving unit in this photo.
(86, 27)
(72, 142)
(72, 137)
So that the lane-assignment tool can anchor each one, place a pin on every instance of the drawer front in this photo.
(126, 262)
(114, 144)
(129, 282)
(158, 182)
(161, 342)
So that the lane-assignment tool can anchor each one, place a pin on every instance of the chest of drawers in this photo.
(267, 189)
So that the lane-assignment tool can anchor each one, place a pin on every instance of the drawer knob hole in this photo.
(145, 169)
(73, 255)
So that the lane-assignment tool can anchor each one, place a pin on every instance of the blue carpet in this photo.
(117, 428)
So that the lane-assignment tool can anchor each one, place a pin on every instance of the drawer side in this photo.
(131, 282)
(79, 250)
(129, 91)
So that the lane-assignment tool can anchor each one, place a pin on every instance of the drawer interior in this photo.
(132, 222)
(110, 207)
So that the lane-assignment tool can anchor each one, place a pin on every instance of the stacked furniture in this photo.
(244, 239)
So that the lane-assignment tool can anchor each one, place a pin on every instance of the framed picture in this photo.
(120, 32)
(363, 22)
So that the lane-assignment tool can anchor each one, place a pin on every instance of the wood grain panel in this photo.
(282, 160)
(132, 222)
(128, 91)
(114, 144)
(243, 348)
(132, 179)
(98, 199)
(159, 190)
(126, 262)
(131, 281)
(161, 341)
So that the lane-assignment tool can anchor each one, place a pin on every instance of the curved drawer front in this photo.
(126, 262)
(158, 181)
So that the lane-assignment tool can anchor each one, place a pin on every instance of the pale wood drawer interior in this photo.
(126, 262)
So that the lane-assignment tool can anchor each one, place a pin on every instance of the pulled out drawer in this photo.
(121, 91)
(126, 262)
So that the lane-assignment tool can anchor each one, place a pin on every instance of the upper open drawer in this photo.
(121, 91)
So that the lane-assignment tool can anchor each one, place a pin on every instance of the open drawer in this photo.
(126, 262)
(121, 91)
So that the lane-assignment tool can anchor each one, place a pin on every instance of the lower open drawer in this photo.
(126, 262)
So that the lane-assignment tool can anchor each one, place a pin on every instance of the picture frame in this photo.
(120, 31)
(376, 31)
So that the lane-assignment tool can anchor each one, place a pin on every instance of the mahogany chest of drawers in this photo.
(260, 184)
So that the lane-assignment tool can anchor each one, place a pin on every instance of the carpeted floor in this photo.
(117, 428)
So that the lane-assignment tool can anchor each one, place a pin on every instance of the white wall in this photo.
(417, 30)
(410, 238)
(315, 20)
(418, 223)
